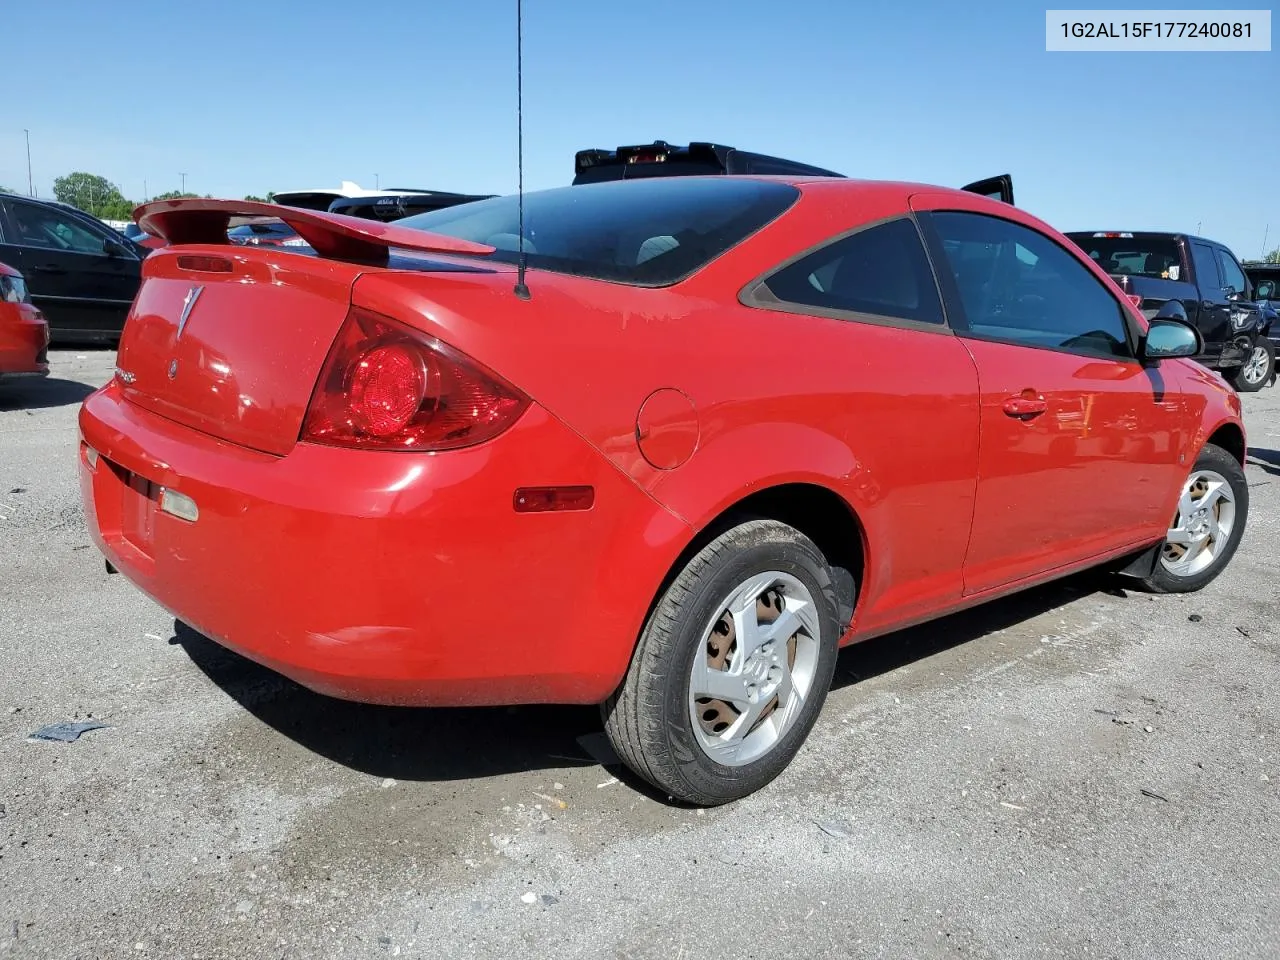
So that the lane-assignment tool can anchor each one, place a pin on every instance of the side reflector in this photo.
(553, 499)
(90, 456)
(178, 504)
(1135, 299)
(205, 264)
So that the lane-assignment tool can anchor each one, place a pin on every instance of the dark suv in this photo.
(80, 273)
(1197, 281)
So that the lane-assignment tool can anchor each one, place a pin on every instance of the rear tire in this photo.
(1207, 525)
(732, 667)
(1258, 370)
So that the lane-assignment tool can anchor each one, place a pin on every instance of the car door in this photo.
(1080, 442)
(80, 274)
(1214, 309)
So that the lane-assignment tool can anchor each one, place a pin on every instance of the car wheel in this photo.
(1257, 369)
(1207, 525)
(732, 667)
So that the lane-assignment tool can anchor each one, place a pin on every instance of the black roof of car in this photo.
(395, 207)
(661, 158)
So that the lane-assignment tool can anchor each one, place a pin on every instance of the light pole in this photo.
(31, 192)
(184, 182)
(377, 181)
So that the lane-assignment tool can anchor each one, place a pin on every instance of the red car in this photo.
(24, 333)
(719, 428)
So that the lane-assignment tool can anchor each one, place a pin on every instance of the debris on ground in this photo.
(608, 783)
(529, 897)
(555, 801)
(1195, 618)
(1153, 795)
(65, 732)
(549, 899)
(1242, 631)
(834, 828)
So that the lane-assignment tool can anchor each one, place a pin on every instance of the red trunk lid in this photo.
(233, 354)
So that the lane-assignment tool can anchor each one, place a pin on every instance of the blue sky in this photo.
(248, 97)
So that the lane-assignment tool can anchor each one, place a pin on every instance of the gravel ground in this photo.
(1074, 772)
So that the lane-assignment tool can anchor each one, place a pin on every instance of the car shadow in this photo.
(1268, 460)
(34, 394)
(445, 744)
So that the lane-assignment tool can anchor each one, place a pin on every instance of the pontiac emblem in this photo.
(188, 304)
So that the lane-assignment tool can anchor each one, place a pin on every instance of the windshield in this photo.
(642, 232)
(1138, 256)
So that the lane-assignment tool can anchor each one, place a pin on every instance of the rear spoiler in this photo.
(331, 235)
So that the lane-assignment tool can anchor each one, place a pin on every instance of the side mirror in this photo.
(1171, 338)
(114, 248)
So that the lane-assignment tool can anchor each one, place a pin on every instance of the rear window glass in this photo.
(644, 233)
(1156, 257)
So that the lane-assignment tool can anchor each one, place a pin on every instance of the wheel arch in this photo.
(1230, 437)
(817, 511)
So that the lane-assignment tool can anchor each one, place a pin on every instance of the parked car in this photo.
(670, 469)
(81, 274)
(24, 334)
(1265, 278)
(1181, 277)
(396, 204)
(265, 232)
(661, 159)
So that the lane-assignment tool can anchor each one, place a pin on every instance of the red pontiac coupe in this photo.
(24, 332)
(719, 427)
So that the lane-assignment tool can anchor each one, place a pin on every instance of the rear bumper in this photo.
(24, 341)
(385, 577)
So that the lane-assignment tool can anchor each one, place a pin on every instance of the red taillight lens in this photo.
(388, 386)
(1135, 299)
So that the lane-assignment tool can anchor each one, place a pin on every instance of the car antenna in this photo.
(521, 288)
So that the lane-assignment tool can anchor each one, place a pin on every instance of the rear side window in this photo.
(1142, 256)
(882, 271)
(651, 232)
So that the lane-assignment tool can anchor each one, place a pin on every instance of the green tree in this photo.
(1273, 256)
(174, 195)
(93, 194)
(254, 199)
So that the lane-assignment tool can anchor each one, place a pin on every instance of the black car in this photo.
(403, 202)
(661, 159)
(80, 273)
(1265, 278)
(1194, 280)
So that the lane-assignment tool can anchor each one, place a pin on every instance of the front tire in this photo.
(1257, 370)
(1207, 525)
(732, 667)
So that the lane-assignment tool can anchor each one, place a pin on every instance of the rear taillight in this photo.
(387, 386)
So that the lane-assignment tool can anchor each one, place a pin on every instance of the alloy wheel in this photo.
(1255, 368)
(1203, 524)
(754, 668)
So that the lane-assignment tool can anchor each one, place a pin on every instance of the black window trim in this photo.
(954, 306)
(757, 295)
